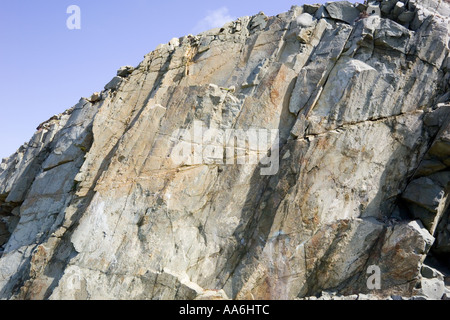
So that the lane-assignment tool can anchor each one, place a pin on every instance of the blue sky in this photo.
(46, 67)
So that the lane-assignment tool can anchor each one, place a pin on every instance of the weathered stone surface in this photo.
(428, 167)
(343, 11)
(114, 83)
(313, 76)
(426, 193)
(373, 8)
(401, 254)
(442, 244)
(96, 207)
(321, 13)
(432, 289)
(406, 16)
(95, 97)
(127, 70)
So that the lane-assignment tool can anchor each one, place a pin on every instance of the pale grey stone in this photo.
(258, 21)
(321, 13)
(373, 8)
(433, 289)
(127, 70)
(95, 97)
(343, 11)
(424, 192)
(305, 20)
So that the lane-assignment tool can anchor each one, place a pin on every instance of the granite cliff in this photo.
(96, 205)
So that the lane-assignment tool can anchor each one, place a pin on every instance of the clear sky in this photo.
(46, 67)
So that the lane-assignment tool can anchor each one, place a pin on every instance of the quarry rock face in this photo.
(100, 205)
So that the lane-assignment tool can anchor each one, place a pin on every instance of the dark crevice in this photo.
(8, 221)
(439, 255)
(57, 165)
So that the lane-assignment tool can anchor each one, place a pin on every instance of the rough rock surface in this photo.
(94, 206)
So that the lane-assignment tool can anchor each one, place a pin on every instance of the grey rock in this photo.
(398, 9)
(343, 11)
(428, 167)
(314, 75)
(424, 192)
(431, 41)
(431, 273)
(442, 244)
(433, 289)
(321, 13)
(441, 147)
(373, 8)
(305, 20)
(95, 97)
(311, 8)
(427, 198)
(434, 6)
(361, 7)
(437, 119)
(445, 97)
(299, 128)
(388, 5)
(114, 83)
(396, 257)
(362, 296)
(406, 16)
(125, 71)
(393, 36)
(258, 21)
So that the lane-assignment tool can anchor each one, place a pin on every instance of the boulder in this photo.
(431, 273)
(342, 11)
(114, 84)
(125, 71)
(373, 8)
(432, 289)
(305, 20)
(406, 16)
(403, 252)
(95, 97)
(426, 198)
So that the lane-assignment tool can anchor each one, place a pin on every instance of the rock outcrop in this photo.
(96, 206)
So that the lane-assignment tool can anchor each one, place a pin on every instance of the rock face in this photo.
(96, 206)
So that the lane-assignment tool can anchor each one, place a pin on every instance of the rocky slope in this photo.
(95, 206)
